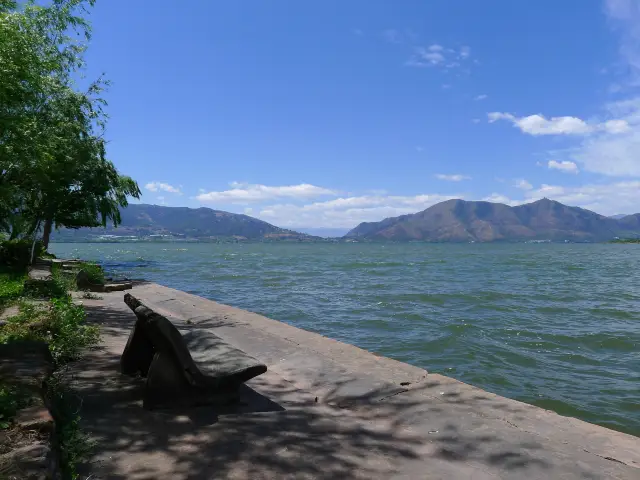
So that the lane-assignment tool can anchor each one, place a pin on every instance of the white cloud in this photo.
(481, 97)
(241, 193)
(523, 184)
(452, 178)
(347, 212)
(610, 145)
(438, 56)
(606, 199)
(430, 56)
(614, 151)
(616, 126)
(160, 186)
(539, 125)
(564, 166)
(499, 198)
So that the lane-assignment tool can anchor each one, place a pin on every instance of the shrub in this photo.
(62, 279)
(60, 324)
(72, 335)
(16, 254)
(44, 289)
(94, 271)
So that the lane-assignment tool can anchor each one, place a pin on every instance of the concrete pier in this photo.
(324, 409)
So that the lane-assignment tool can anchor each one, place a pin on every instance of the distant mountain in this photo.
(463, 221)
(618, 216)
(324, 232)
(154, 221)
(630, 222)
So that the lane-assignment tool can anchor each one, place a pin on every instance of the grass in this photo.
(94, 271)
(11, 287)
(74, 445)
(61, 324)
(63, 279)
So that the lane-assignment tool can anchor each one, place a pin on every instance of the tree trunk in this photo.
(46, 233)
(33, 244)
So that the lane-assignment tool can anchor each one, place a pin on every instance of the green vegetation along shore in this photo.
(625, 240)
(42, 312)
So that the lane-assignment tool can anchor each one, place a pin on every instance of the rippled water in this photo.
(553, 325)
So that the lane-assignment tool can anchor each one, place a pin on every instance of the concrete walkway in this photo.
(323, 410)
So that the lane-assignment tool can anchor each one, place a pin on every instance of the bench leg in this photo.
(137, 354)
(167, 386)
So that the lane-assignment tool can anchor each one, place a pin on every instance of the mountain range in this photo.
(155, 221)
(465, 221)
(450, 221)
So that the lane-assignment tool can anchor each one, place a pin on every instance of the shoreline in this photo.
(446, 426)
(564, 373)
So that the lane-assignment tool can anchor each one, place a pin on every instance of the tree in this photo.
(53, 167)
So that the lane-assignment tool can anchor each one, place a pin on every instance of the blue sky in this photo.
(328, 113)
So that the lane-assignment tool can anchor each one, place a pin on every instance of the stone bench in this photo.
(197, 368)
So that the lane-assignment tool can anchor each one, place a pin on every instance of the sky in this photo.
(328, 113)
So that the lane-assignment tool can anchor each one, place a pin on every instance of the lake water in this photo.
(553, 325)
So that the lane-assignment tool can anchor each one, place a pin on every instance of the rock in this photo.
(118, 287)
(39, 273)
(61, 261)
(9, 312)
(36, 417)
(25, 363)
(28, 462)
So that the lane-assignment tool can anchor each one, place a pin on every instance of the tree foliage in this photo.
(53, 165)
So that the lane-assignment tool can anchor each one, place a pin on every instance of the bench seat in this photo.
(188, 368)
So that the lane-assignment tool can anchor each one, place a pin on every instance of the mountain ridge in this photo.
(449, 221)
(479, 221)
(142, 220)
